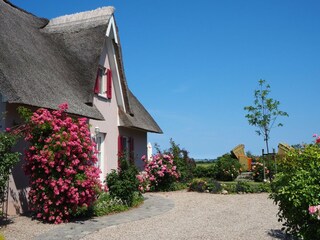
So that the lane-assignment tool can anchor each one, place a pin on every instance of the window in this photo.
(126, 147)
(103, 85)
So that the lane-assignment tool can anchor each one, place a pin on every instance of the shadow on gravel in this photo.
(278, 234)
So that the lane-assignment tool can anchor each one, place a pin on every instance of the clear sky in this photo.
(195, 64)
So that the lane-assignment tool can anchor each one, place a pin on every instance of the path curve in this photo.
(153, 205)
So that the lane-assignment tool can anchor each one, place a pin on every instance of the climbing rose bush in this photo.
(61, 164)
(315, 211)
(159, 173)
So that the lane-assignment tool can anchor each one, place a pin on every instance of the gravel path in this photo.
(203, 216)
(194, 216)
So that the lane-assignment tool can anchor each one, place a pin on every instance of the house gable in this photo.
(44, 63)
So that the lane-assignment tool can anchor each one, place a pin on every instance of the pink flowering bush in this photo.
(315, 211)
(296, 191)
(60, 162)
(159, 173)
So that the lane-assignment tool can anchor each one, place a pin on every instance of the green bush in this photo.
(185, 164)
(246, 187)
(257, 170)
(296, 188)
(243, 186)
(7, 160)
(208, 171)
(105, 204)
(227, 168)
(124, 183)
(205, 185)
(198, 185)
(214, 186)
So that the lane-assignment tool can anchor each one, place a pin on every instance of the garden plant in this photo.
(296, 190)
(61, 164)
(123, 184)
(160, 173)
(8, 159)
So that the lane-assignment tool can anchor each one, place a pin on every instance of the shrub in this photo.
(7, 161)
(124, 183)
(243, 186)
(246, 187)
(160, 173)
(61, 165)
(106, 204)
(185, 164)
(214, 186)
(257, 169)
(205, 185)
(205, 171)
(227, 168)
(297, 188)
(198, 185)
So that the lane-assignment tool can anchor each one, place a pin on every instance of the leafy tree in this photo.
(264, 112)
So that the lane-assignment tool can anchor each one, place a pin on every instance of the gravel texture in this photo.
(194, 216)
(204, 216)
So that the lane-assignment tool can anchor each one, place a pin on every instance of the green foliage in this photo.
(176, 186)
(123, 184)
(296, 188)
(245, 187)
(185, 164)
(227, 168)
(7, 160)
(24, 113)
(264, 112)
(106, 204)
(213, 186)
(198, 185)
(205, 171)
(257, 170)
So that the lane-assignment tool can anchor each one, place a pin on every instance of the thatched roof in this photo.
(45, 63)
(141, 119)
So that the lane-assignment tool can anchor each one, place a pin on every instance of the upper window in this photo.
(103, 85)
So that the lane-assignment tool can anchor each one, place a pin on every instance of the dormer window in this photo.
(103, 85)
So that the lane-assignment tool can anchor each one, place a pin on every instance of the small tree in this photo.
(264, 112)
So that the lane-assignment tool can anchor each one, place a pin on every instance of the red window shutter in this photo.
(109, 84)
(131, 149)
(120, 149)
(97, 84)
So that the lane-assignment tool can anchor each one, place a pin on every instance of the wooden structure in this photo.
(245, 161)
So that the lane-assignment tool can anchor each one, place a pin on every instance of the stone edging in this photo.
(152, 206)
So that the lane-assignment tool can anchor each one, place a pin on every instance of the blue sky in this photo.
(195, 64)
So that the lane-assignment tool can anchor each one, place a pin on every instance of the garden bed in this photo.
(224, 187)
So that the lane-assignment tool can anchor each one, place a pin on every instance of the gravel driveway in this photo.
(194, 216)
